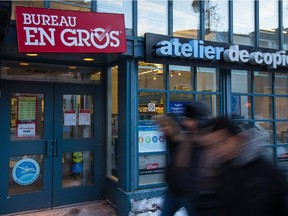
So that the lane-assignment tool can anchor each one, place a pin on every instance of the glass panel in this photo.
(152, 17)
(152, 169)
(212, 102)
(262, 82)
(241, 81)
(263, 107)
(268, 23)
(285, 24)
(180, 78)
(78, 115)
(216, 20)
(38, 4)
(77, 169)
(150, 76)
(84, 5)
(241, 107)
(49, 73)
(121, 7)
(281, 83)
(269, 154)
(25, 174)
(243, 22)
(177, 103)
(150, 104)
(27, 116)
(281, 107)
(189, 26)
(266, 126)
(244, 125)
(282, 157)
(207, 79)
(282, 132)
(112, 142)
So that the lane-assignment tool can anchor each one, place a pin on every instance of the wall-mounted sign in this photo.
(50, 30)
(186, 51)
(25, 171)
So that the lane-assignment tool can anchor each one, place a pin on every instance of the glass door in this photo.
(51, 141)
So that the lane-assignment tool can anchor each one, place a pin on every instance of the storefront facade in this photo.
(89, 124)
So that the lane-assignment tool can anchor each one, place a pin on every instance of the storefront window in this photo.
(188, 27)
(281, 83)
(285, 24)
(243, 22)
(241, 107)
(241, 81)
(263, 107)
(262, 82)
(212, 102)
(207, 79)
(150, 104)
(216, 20)
(152, 17)
(282, 132)
(71, 5)
(150, 76)
(121, 7)
(281, 107)
(266, 126)
(38, 4)
(268, 24)
(181, 78)
(112, 130)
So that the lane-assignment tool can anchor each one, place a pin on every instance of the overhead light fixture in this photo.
(23, 64)
(88, 59)
(72, 67)
(32, 54)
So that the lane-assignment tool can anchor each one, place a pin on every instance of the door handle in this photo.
(49, 148)
(56, 148)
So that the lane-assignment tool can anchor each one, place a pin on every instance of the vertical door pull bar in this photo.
(49, 148)
(56, 149)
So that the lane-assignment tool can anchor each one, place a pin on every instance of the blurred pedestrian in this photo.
(177, 172)
(248, 184)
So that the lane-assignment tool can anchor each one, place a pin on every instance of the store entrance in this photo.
(50, 145)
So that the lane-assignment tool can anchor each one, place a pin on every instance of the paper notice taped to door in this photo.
(69, 117)
(84, 117)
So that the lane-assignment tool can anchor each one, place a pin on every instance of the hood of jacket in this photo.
(253, 146)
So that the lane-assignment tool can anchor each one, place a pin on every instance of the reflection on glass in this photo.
(266, 127)
(212, 102)
(152, 17)
(285, 24)
(244, 125)
(216, 20)
(262, 82)
(77, 116)
(207, 79)
(263, 107)
(243, 22)
(282, 157)
(189, 26)
(77, 169)
(281, 83)
(150, 104)
(71, 5)
(241, 81)
(152, 169)
(281, 108)
(121, 7)
(180, 78)
(38, 4)
(268, 23)
(150, 76)
(27, 116)
(25, 174)
(282, 132)
(241, 107)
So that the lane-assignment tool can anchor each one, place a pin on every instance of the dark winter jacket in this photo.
(250, 185)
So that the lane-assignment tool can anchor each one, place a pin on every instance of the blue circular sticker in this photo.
(25, 171)
(154, 139)
(77, 168)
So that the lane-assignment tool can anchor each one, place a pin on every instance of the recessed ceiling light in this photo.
(32, 54)
(23, 64)
(72, 67)
(88, 59)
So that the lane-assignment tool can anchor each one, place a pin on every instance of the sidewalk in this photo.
(101, 208)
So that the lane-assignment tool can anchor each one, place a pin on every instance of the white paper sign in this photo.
(69, 117)
(84, 117)
(26, 130)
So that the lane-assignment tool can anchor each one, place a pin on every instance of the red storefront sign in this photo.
(59, 31)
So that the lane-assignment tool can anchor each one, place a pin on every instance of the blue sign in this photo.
(77, 168)
(25, 171)
(178, 107)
